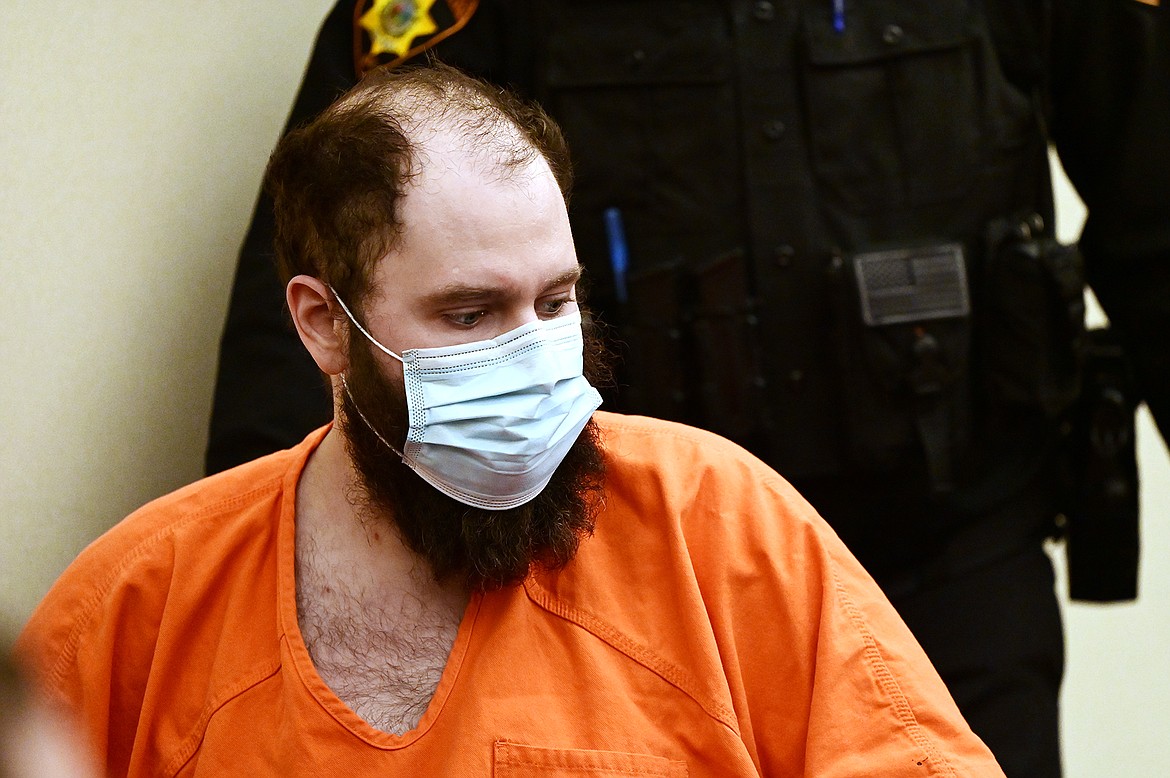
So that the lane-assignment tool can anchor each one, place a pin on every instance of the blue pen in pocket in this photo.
(619, 253)
(839, 16)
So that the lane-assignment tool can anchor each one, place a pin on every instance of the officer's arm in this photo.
(1110, 122)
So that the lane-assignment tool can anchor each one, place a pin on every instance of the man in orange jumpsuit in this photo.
(470, 572)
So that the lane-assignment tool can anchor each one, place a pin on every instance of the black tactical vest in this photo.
(816, 227)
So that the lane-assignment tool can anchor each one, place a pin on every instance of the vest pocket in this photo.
(654, 344)
(513, 760)
(893, 97)
(644, 93)
(726, 357)
(902, 334)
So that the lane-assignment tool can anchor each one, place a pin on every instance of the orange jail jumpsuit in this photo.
(713, 625)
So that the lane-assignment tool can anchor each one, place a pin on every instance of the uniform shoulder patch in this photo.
(389, 32)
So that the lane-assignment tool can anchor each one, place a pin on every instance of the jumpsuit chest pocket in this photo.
(892, 91)
(513, 760)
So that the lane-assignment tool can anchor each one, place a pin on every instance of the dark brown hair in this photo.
(336, 182)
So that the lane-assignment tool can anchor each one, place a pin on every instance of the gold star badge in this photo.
(394, 24)
(389, 32)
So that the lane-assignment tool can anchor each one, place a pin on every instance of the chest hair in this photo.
(381, 653)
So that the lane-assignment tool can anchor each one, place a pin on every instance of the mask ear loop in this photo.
(362, 329)
(345, 383)
(373, 429)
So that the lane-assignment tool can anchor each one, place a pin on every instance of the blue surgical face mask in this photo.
(490, 421)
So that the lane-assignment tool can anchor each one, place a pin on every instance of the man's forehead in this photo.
(469, 226)
(451, 171)
(482, 134)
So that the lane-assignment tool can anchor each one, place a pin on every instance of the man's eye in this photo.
(467, 318)
(553, 307)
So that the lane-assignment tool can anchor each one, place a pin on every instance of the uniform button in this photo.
(760, 382)
(795, 380)
(893, 34)
(636, 58)
(764, 11)
(774, 129)
(784, 255)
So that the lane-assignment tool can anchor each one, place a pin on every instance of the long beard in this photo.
(483, 549)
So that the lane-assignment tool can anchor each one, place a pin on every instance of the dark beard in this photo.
(483, 549)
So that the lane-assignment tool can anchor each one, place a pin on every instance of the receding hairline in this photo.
(339, 181)
(425, 109)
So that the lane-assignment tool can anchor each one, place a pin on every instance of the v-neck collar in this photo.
(316, 691)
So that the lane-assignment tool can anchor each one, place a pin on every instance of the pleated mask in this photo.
(491, 421)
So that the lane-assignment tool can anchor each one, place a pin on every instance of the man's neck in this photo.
(377, 625)
(330, 516)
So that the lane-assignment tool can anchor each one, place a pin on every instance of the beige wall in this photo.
(132, 138)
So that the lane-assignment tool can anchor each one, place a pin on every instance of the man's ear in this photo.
(309, 303)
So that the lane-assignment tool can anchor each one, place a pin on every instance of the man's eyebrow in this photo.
(453, 294)
(567, 278)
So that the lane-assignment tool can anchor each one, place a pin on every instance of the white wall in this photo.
(132, 139)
